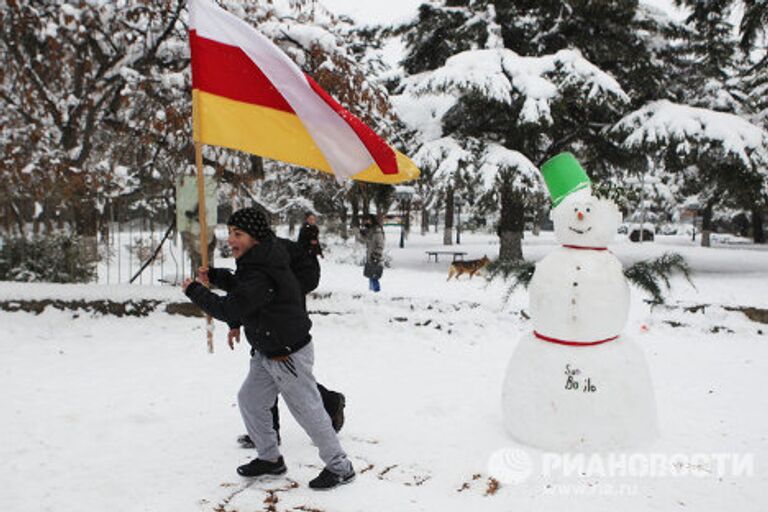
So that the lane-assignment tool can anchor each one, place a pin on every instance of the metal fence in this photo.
(126, 247)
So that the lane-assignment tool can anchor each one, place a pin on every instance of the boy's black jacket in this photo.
(263, 296)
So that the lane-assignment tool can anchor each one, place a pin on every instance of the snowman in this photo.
(576, 382)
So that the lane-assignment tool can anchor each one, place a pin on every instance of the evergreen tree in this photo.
(444, 164)
(720, 77)
(619, 36)
(494, 98)
(754, 41)
(443, 29)
(716, 157)
(753, 27)
(711, 53)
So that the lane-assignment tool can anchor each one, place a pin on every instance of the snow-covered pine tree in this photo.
(621, 37)
(443, 162)
(443, 29)
(512, 181)
(484, 98)
(715, 157)
(753, 26)
(710, 53)
(754, 43)
(631, 41)
(712, 78)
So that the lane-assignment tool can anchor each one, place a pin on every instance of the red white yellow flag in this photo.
(249, 95)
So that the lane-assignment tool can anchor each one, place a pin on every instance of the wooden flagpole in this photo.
(201, 205)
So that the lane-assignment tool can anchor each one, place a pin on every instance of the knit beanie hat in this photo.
(252, 221)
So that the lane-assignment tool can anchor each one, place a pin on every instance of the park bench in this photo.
(457, 255)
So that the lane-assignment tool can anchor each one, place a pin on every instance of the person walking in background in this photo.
(373, 234)
(266, 299)
(309, 235)
(309, 244)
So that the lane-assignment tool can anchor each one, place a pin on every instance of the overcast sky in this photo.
(374, 11)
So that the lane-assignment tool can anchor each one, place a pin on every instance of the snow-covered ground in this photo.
(133, 414)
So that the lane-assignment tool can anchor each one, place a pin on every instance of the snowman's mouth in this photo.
(580, 231)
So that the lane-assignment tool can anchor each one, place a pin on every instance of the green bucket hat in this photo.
(564, 175)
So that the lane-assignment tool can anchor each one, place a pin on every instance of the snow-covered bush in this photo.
(55, 258)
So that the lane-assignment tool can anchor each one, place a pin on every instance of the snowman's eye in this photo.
(575, 209)
(588, 210)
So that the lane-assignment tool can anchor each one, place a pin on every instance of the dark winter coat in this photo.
(309, 238)
(374, 244)
(263, 296)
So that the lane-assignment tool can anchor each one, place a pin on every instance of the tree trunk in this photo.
(257, 167)
(354, 199)
(511, 224)
(90, 248)
(706, 225)
(424, 220)
(537, 218)
(86, 227)
(49, 214)
(407, 219)
(7, 220)
(448, 231)
(758, 231)
(538, 215)
(366, 200)
(86, 219)
(511, 245)
(19, 218)
(104, 219)
(383, 200)
(344, 220)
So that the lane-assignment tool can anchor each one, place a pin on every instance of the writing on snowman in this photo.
(575, 381)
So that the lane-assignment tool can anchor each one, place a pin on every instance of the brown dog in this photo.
(470, 267)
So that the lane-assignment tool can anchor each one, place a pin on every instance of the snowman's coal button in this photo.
(575, 283)
(578, 268)
(573, 301)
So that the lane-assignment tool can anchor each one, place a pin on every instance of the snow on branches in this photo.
(692, 131)
(505, 77)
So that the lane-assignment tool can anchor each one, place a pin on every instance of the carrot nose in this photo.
(580, 215)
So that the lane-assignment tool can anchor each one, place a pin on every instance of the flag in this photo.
(249, 95)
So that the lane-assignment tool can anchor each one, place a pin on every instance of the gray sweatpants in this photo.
(294, 381)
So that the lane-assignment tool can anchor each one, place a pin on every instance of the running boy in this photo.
(267, 301)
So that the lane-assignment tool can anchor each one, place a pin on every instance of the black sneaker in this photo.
(337, 418)
(259, 467)
(328, 480)
(245, 441)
